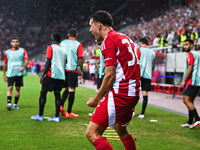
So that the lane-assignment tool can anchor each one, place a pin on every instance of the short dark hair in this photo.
(72, 32)
(14, 38)
(144, 41)
(190, 41)
(56, 37)
(103, 17)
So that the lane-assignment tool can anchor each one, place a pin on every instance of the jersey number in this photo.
(131, 62)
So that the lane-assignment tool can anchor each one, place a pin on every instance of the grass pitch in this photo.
(19, 132)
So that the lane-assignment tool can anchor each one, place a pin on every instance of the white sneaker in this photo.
(90, 114)
(196, 124)
(15, 106)
(133, 115)
(9, 106)
(55, 119)
(185, 125)
(141, 116)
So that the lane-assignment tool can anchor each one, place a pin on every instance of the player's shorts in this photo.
(190, 90)
(51, 84)
(71, 80)
(145, 84)
(114, 109)
(18, 80)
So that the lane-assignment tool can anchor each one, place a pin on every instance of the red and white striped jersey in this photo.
(119, 50)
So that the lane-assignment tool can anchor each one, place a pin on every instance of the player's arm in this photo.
(5, 67)
(25, 65)
(80, 58)
(187, 75)
(4, 71)
(46, 68)
(190, 63)
(107, 83)
(25, 61)
(48, 62)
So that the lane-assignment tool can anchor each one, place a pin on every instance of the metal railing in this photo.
(171, 48)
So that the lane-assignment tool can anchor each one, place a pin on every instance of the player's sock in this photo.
(190, 120)
(144, 105)
(58, 99)
(102, 143)
(16, 100)
(71, 101)
(9, 99)
(195, 114)
(129, 143)
(64, 97)
(42, 102)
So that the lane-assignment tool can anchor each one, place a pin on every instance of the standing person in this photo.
(33, 66)
(119, 92)
(156, 40)
(38, 68)
(170, 37)
(182, 37)
(52, 77)
(15, 63)
(75, 53)
(92, 71)
(191, 83)
(147, 64)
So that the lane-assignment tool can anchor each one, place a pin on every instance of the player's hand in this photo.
(92, 102)
(42, 80)
(21, 69)
(5, 78)
(182, 85)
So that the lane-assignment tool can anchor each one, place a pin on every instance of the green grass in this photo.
(19, 132)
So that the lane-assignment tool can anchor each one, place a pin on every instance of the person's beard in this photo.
(187, 50)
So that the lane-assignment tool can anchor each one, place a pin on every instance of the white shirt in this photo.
(92, 69)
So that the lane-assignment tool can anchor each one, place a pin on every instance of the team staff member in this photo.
(75, 53)
(53, 77)
(147, 64)
(15, 63)
(119, 92)
(191, 83)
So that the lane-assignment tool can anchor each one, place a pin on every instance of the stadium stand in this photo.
(169, 23)
(34, 21)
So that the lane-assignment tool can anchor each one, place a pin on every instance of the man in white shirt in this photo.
(92, 71)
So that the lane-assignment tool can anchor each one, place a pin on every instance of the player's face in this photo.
(187, 46)
(95, 30)
(15, 43)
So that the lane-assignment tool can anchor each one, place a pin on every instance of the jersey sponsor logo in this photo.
(107, 59)
(18, 63)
